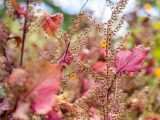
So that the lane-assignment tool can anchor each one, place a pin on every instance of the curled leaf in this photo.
(130, 61)
(17, 39)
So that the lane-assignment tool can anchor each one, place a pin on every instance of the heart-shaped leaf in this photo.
(130, 61)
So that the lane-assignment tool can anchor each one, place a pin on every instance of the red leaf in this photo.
(130, 61)
(52, 23)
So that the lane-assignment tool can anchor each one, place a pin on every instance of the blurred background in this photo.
(98, 8)
(143, 18)
(143, 23)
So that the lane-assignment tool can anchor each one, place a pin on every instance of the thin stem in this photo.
(7, 60)
(67, 49)
(108, 93)
(107, 68)
(115, 97)
(83, 5)
(24, 33)
(56, 37)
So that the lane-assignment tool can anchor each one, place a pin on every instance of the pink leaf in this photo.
(130, 61)
(44, 93)
(39, 82)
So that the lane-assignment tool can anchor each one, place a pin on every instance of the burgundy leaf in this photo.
(66, 58)
(130, 61)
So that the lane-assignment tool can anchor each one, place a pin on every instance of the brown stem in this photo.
(24, 33)
(107, 69)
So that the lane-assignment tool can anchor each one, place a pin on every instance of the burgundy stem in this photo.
(67, 49)
(66, 52)
(7, 60)
(24, 33)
